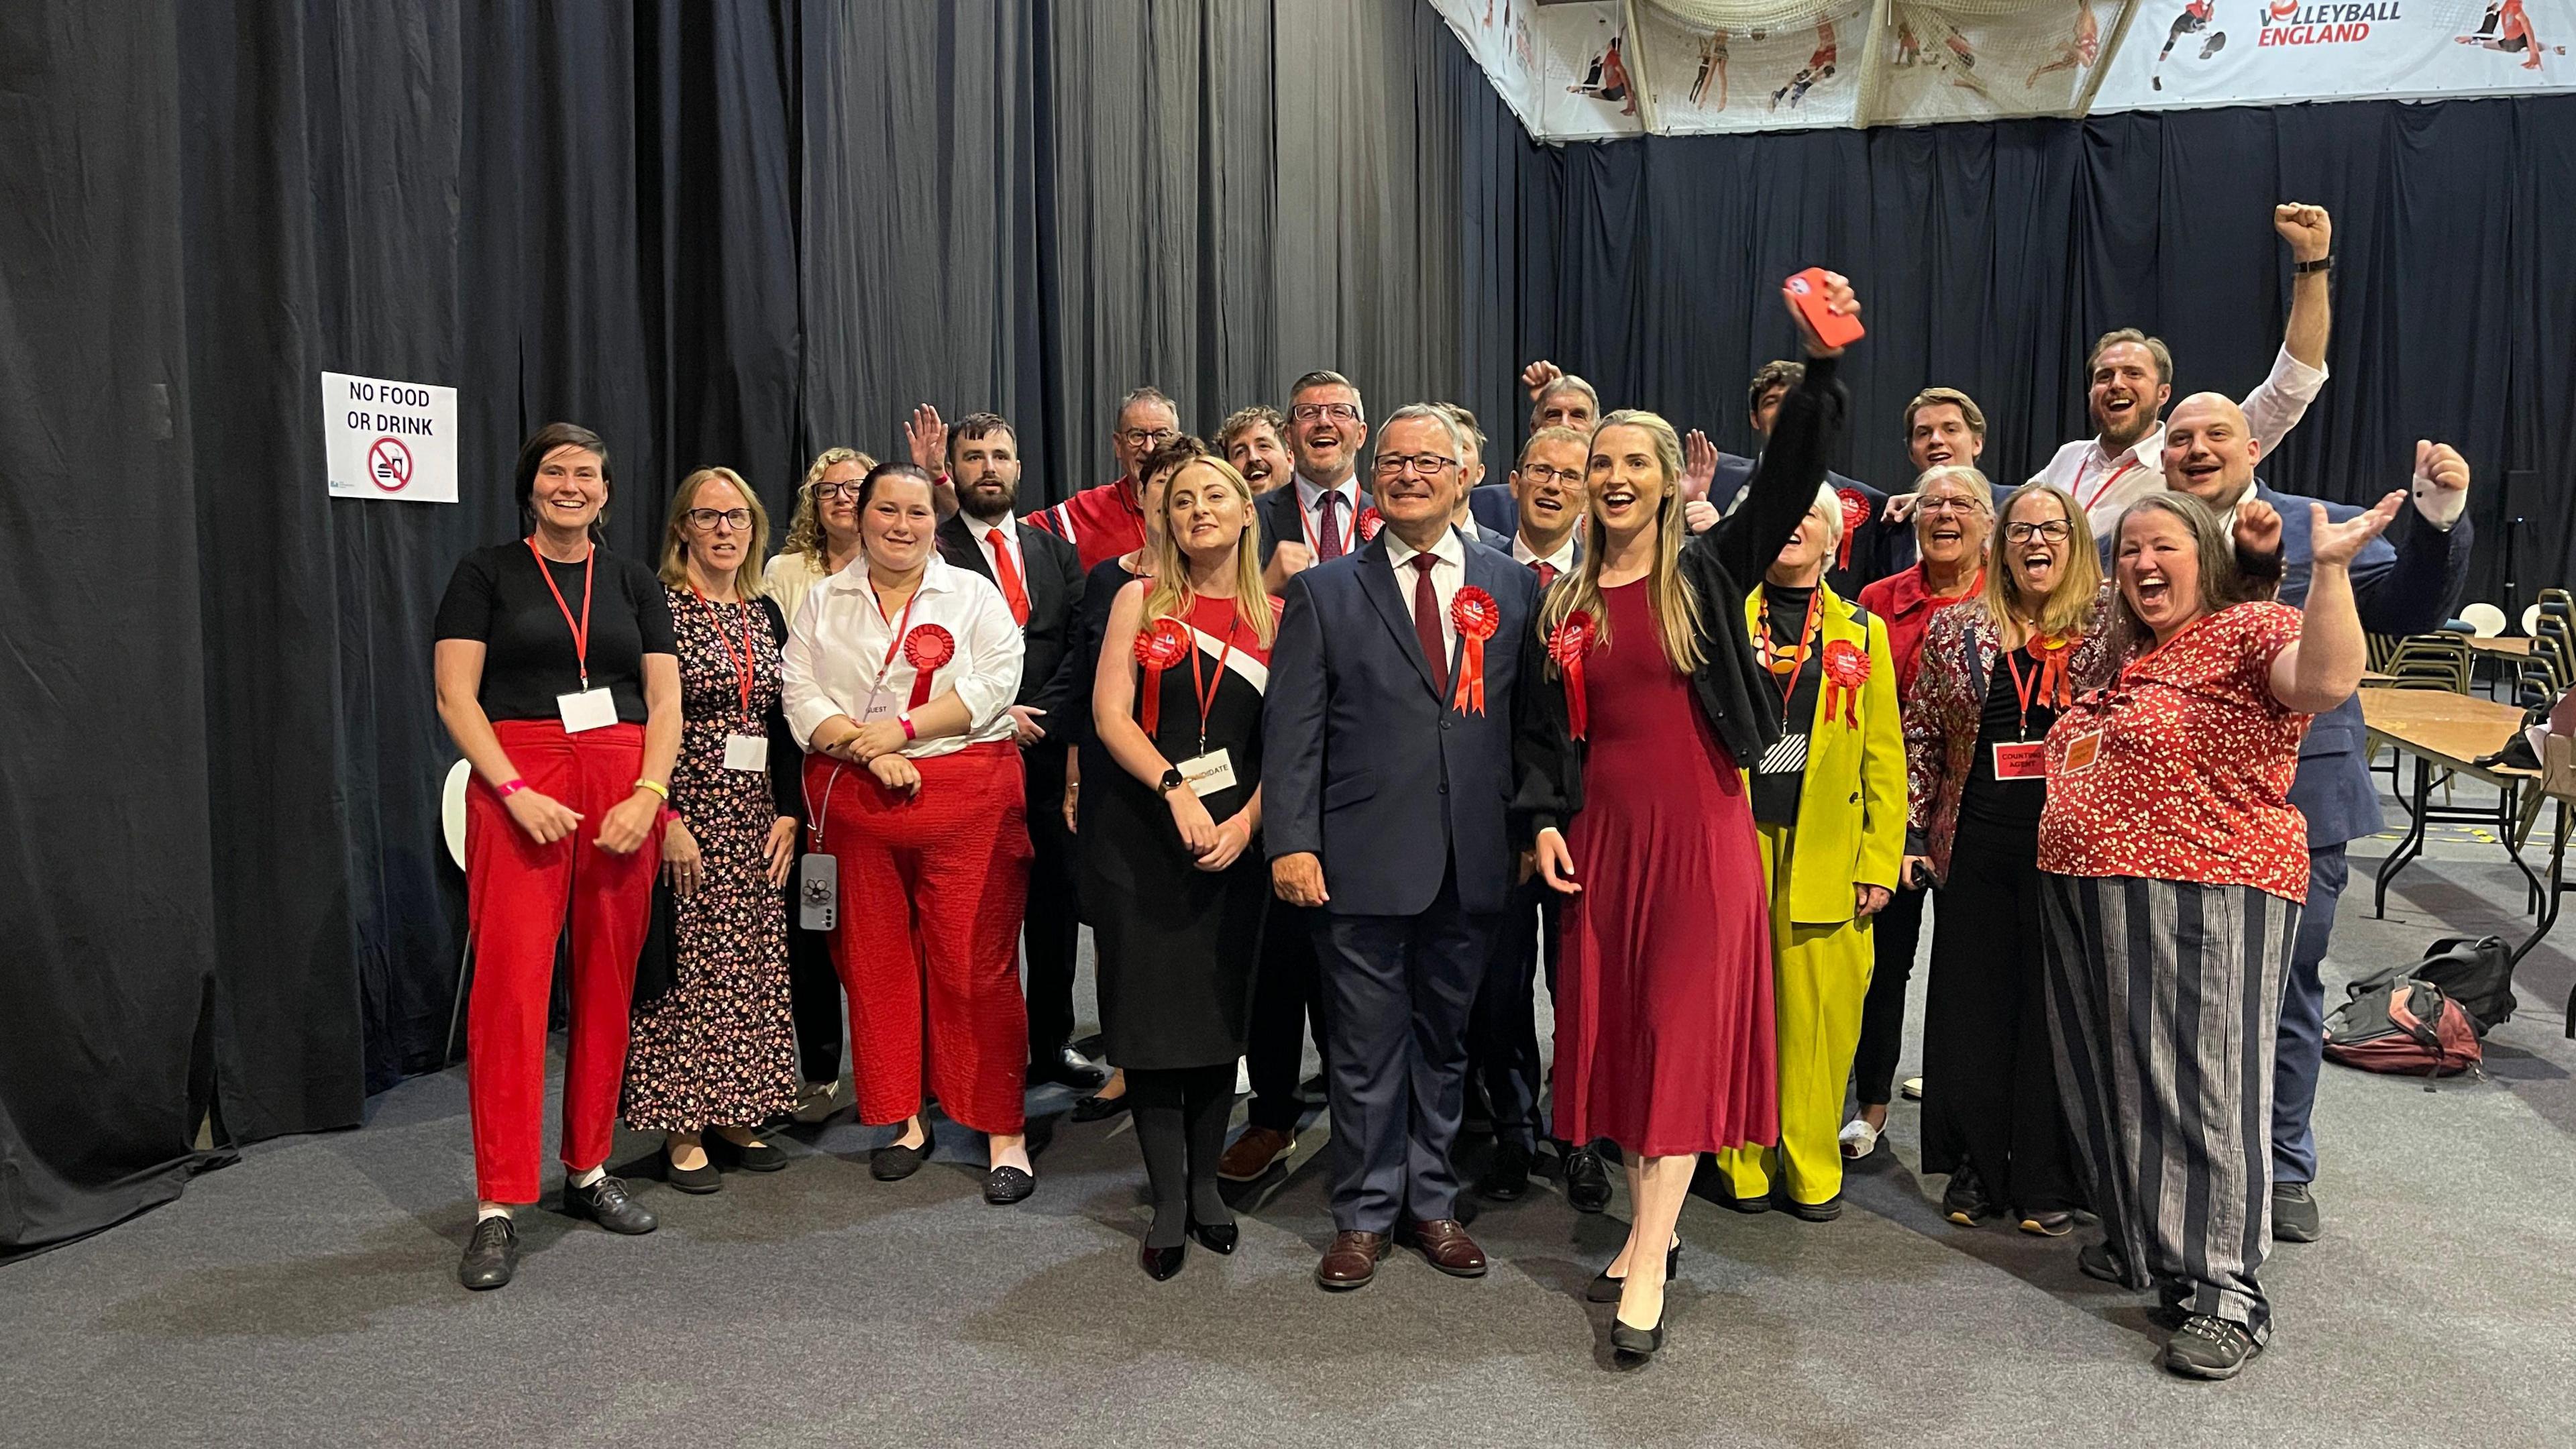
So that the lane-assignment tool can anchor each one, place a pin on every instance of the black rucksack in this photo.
(2475, 971)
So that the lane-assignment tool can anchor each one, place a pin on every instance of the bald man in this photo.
(2408, 581)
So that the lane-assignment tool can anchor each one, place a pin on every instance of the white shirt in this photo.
(788, 578)
(2104, 483)
(983, 533)
(1310, 502)
(839, 643)
(1562, 560)
(1448, 575)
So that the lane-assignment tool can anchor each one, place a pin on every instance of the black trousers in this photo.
(814, 998)
(1285, 999)
(1053, 926)
(1990, 1089)
(1502, 1030)
(1894, 934)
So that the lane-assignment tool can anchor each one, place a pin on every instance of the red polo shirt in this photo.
(1101, 523)
(1907, 603)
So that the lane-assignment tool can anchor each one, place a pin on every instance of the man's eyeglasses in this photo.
(705, 520)
(835, 492)
(1338, 412)
(1541, 473)
(1148, 439)
(1429, 465)
(2055, 530)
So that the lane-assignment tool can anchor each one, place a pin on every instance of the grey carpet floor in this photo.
(305, 1297)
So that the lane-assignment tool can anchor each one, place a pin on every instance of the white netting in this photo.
(1958, 59)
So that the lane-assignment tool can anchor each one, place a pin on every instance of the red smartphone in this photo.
(1832, 328)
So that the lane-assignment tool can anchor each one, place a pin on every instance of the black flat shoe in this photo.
(1605, 1289)
(894, 1162)
(1161, 1263)
(1750, 1205)
(491, 1255)
(607, 1203)
(1507, 1180)
(1004, 1186)
(701, 1179)
(1096, 1108)
(1630, 1348)
(1215, 1237)
(1814, 1212)
(749, 1156)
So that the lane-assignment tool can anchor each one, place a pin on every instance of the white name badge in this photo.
(746, 752)
(1209, 774)
(587, 709)
(880, 706)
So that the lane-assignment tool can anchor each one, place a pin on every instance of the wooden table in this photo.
(2449, 732)
(2370, 677)
(2514, 646)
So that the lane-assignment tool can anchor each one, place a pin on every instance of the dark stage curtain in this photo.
(1991, 256)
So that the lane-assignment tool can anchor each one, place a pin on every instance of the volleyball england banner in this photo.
(2240, 52)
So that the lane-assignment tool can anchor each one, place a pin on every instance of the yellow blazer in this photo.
(1851, 805)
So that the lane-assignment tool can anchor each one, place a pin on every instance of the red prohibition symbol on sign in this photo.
(389, 464)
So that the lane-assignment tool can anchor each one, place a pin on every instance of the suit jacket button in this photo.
(1444, 787)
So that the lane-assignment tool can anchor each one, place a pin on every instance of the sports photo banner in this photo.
(2182, 53)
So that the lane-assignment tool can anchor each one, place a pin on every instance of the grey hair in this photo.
(1965, 476)
(1832, 504)
(1436, 413)
(1565, 382)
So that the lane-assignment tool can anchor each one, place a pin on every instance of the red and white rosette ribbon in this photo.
(1367, 524)
(1159, 646)
(1477, 616)
(1567, 643)
(926, 648)
(1855, 513)
(1846, 670)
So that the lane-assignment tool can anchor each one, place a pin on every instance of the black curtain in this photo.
(1990, 256)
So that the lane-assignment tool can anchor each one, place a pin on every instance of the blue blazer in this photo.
(1280, 518)
(1364, 765)
(1496, 508)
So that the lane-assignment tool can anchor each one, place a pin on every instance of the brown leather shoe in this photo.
(1445, 1243)
(1351, 1261)
(1254, 1153)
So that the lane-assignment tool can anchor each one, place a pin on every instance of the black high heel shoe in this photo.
(1630, 1348)
(1216, 1237)
(1161, 1263)
(1605, 1289)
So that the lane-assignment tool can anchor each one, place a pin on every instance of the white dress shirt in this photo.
(1562, 560)
(838, 647)
(1310, 502)
(1008, 528)
(2105, 483)
(1448, 575)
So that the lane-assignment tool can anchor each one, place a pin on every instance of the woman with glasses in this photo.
(714, 1042)
(1952, 518)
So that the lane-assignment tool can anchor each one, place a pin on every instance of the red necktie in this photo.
(1009, 576)
(1426, 624)
(1546, 573)
(1328, 539)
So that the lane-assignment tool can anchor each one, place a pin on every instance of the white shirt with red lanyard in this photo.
(2104, 483)
(848, 655)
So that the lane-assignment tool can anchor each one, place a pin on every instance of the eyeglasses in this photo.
(705, 519)
(1338, 412)
(1429, 465)
(1963, 507)
(2055, 530)
(835, 492)
(1541, 473)
(1148, 438)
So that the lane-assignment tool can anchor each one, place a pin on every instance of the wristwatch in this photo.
(2321, 264)
(1171, 781)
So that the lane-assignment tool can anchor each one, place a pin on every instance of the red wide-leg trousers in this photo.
(517, 892)
(933, 886)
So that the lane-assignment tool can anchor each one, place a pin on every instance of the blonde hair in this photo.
(805, 536)
(2079, 580)
(1170, 595)
(1676, 608)
(675, 534)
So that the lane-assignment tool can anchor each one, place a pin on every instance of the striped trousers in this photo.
(2163, 1001)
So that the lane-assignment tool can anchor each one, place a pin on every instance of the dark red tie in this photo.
(1426, 623)
(1328, 537)
(1546, 573)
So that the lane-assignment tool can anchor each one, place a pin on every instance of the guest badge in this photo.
(746, 752)
(587, 709)
(1209, 774)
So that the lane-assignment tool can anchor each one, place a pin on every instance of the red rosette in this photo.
(1476, 616)
(926, 649)
(1368, 523)
(1159, 646)
(1855, 513)
(1567, 643)
(1846, 670)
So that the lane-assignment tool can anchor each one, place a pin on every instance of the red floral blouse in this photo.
(2190, 765)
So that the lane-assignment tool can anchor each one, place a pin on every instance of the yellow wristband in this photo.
(657, 787)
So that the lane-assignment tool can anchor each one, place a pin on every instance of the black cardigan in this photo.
(1729, 681)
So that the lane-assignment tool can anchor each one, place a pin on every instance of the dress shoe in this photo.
(752, 1156)
(1630, 1348)
(1255, 1152)
(1351, 1261)
(1506, 1179)
(895, 1162)
(1814, 1212)
(1004, 1186)
(701, 1179)
(1065, 1067)
(1446, 1246)
(819, 1102)
(1587, 1181)
(1097, 1108)
(1605, 1289)
(606, 1203)
(1161, 1263)
(2294, 1213)
(491, 1255)
(1216, 1237)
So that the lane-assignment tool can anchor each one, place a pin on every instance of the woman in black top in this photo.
(557, 679)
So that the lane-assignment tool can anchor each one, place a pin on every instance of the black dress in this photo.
(1178, 946)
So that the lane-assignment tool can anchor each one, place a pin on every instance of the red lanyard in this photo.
(2115, 476)
(1323, 501)
(1205, 689)
(581, 627)
(894, 641)
(1770, 650)
(743, 666)
(2023, 688)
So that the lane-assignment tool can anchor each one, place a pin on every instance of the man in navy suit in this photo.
(1319, 510)
(1863, 555)
(2408, 581)
(1384, 785)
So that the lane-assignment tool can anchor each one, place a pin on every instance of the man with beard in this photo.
(2130, 378)
(1321, 514)
(1040, 576)
(1861, 556)
(1107, 521)
(1252, 440)
(2408, 581)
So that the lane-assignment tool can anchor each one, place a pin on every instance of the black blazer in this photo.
(1729, 683)
(1054, 583)
(1279, 518)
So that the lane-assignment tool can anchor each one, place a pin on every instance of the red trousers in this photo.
(933, 885)
(516, 895)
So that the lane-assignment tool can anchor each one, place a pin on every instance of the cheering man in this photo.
(1107, 521)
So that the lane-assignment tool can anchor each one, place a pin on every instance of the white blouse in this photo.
(838, 648)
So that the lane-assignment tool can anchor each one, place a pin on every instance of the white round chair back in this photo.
(2531, 620)
(2487, 619)
(451, 810)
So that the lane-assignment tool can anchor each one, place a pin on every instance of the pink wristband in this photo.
(905, 719)
(510, 787)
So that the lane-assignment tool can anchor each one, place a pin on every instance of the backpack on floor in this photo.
(2476, 972)
(2407, 1027)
